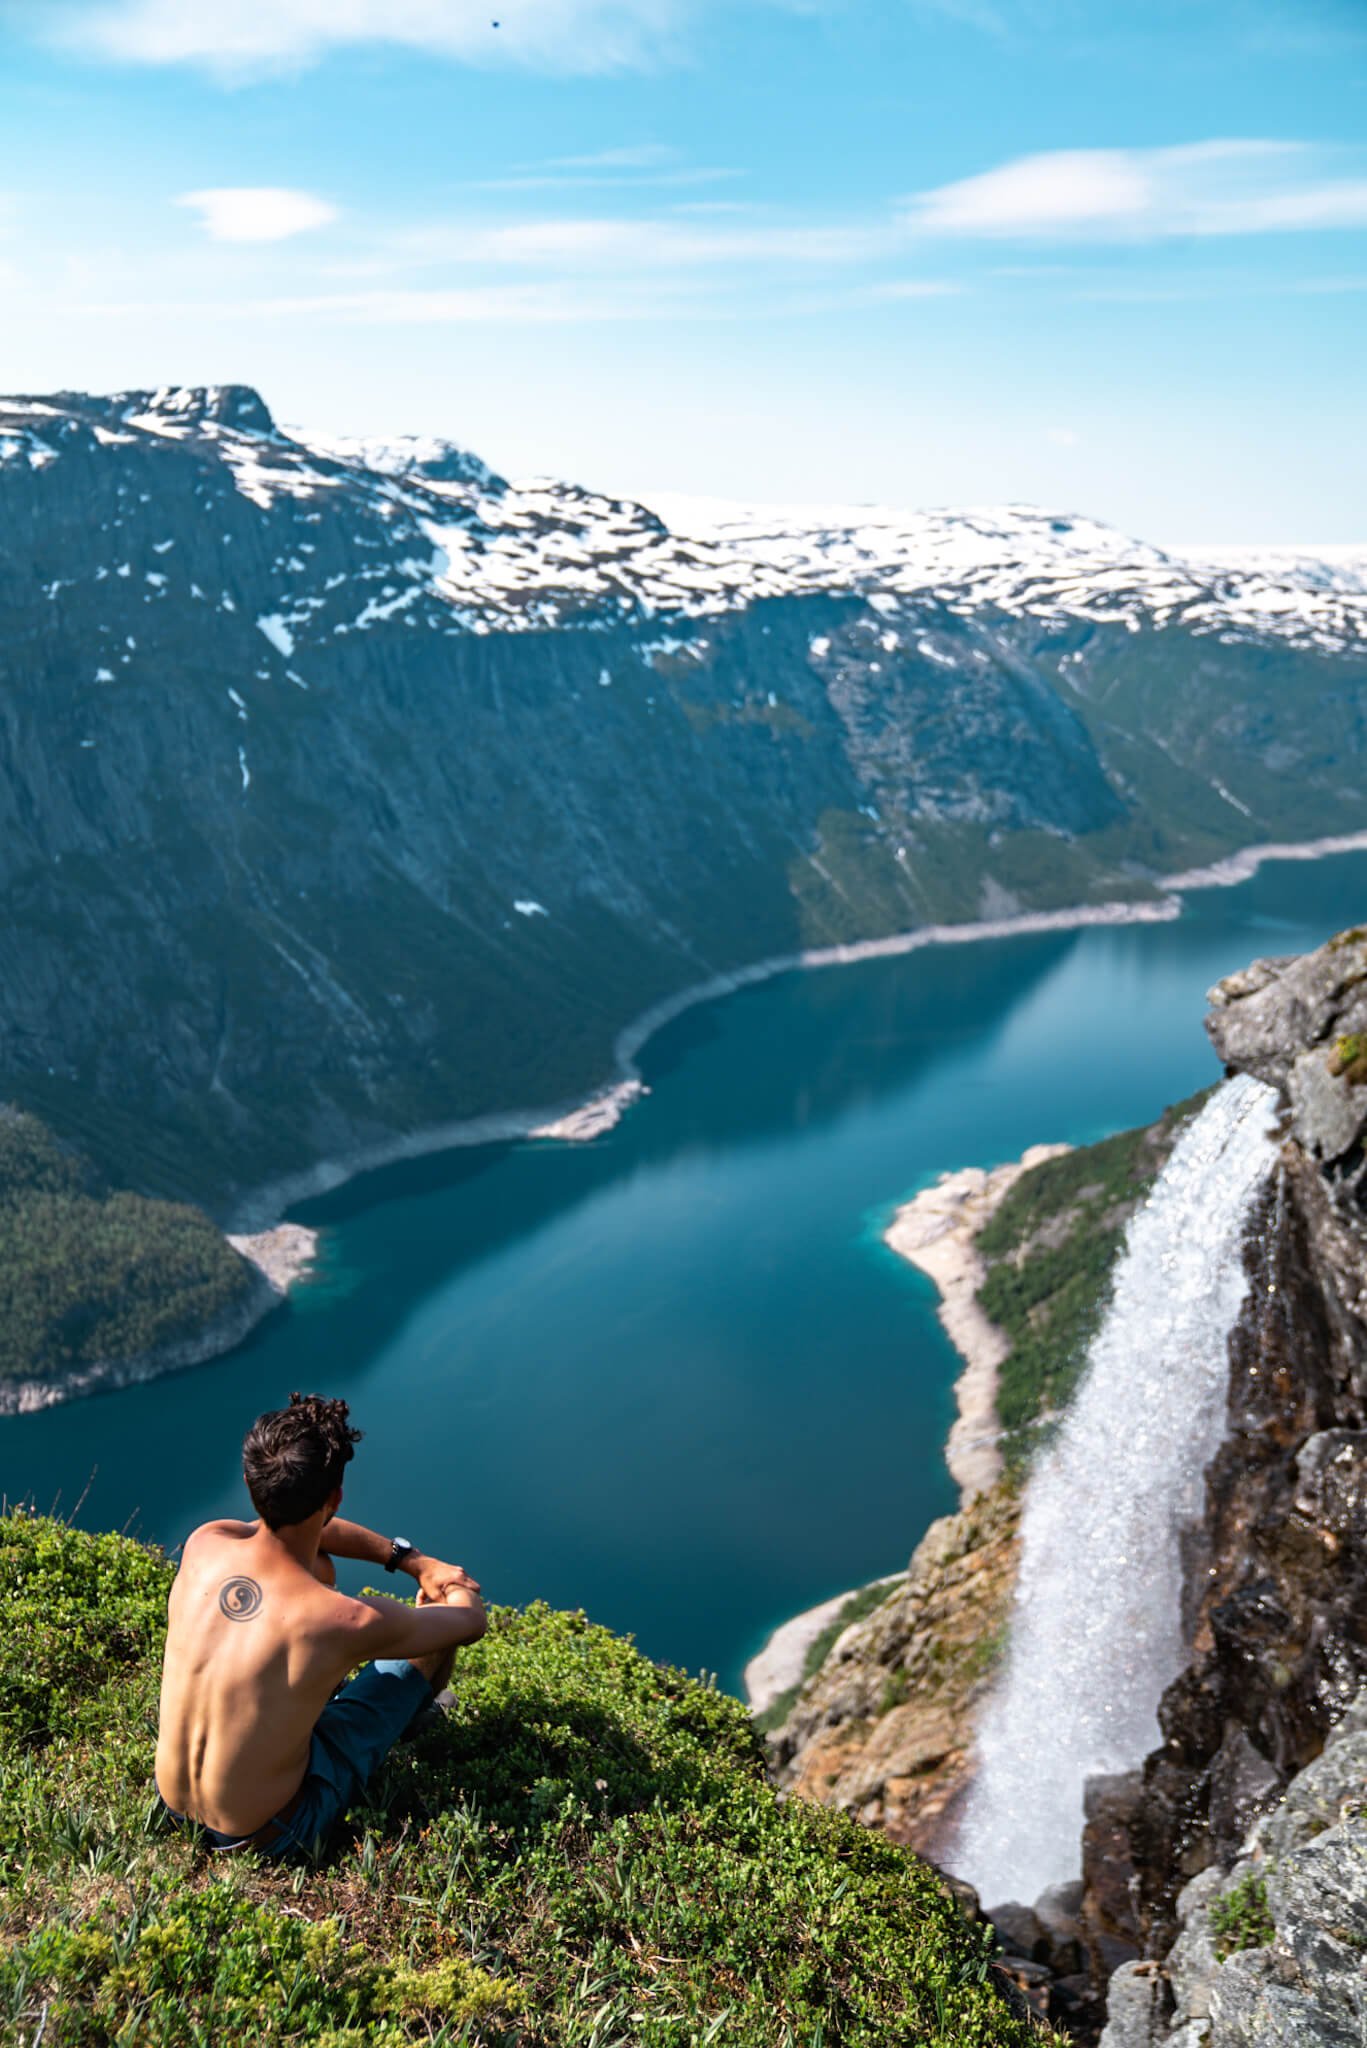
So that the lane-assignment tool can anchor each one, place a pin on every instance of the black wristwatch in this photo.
(399, 1549)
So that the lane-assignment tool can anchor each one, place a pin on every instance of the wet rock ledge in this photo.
(1262, 1772)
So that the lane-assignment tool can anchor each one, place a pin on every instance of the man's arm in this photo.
(349, 1539)
(381, 1627)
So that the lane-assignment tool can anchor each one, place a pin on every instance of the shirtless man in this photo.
(252, 1743)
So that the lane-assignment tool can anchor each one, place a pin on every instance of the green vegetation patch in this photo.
(1349, 1057)
(584, 1854)
(1240, 1918)
(88, 1274)
(1050, 1252)
(819, 1649)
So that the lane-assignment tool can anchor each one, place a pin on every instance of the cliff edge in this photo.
(1276, 1580)
(583, 1851)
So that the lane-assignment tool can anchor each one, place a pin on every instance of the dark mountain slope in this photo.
(346, 792)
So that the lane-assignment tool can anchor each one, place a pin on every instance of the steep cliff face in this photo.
(884, 1729)
(348, 788)
(1277, 1573)
(1269, 1952)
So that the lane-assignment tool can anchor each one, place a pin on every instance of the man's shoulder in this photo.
(225, 1527)
(346, 1615)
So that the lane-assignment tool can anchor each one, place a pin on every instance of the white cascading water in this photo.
(1096, 1628)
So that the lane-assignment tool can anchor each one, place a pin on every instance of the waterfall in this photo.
(1096, 1628)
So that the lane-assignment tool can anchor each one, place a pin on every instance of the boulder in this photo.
(1136, 2008)
(1318, 1900)
(1328, 1111)
(1059, 1912)
(1192, 1960)
(1111, 1806)
(1019, 1931)
(1255, 2003)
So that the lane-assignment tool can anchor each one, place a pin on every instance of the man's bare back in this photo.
(257, 1645)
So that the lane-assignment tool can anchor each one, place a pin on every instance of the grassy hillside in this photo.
(1050, 1252)
(585, 1853)
(88, 1273)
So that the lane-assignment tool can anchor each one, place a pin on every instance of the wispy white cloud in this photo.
(253, 38)
(668, 244)
(514, 305)
(639, 163)
(1222, 187)
(914, 288)
(715, 208)
(1317, 285)
(257, 213)
(579, 181)
(641, 156)
(626, 246)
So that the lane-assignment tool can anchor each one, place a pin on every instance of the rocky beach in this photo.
(936, 1231)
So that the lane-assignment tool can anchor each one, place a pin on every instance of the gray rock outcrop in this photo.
(1271, 1953)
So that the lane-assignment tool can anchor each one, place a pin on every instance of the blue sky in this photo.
(1105, 255)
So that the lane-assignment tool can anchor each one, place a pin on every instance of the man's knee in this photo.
(324, 1570)
(436, 1669)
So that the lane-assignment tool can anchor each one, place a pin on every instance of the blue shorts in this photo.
(356, 1729)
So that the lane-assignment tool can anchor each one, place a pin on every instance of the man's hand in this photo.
(349, 1539)
(436, 1580)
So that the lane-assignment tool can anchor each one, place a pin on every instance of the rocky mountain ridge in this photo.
(350, 789)
(525, 555)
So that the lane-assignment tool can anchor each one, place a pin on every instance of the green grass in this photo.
(585, 1854)
(1050, 1251)
(1240, 1918)
(90, 1274)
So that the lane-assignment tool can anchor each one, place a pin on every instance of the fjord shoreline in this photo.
(260, 1216)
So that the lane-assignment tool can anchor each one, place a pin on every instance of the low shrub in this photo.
(1240, 1919)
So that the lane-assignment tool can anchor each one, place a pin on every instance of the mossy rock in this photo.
(1348, 1060)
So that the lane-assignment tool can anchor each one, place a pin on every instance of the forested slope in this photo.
(91, 1275)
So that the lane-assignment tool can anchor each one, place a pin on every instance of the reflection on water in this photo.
(673, 1377)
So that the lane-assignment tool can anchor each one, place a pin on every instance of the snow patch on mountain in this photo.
(278, 633)
(454, 548)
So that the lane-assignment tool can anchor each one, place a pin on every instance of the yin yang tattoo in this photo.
(239, 1599)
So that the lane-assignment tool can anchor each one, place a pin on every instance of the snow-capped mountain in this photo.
(540, 553)
(346, 786)
(1053, 566)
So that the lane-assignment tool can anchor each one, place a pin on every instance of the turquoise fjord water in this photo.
(674, 1377)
